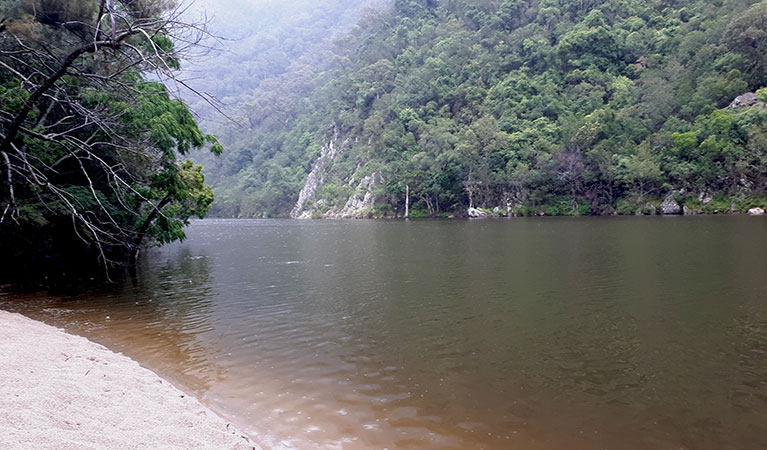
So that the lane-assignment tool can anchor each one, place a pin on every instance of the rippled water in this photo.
(620, 333)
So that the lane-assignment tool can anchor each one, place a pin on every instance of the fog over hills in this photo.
(263, 42)
(523, 107)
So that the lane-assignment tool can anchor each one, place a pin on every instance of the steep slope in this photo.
(271, 56)
(530, 107)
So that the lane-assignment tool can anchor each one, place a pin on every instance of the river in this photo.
(536, 333)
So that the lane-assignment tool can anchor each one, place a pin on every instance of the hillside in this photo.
(531, 107)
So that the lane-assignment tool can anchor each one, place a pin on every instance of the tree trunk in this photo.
(429, 205)
(141, 234)
(407, 201)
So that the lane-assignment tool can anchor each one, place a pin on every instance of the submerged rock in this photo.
(756, 212)
(670, 206)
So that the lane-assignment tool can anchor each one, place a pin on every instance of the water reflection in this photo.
(534, 334)
(160, 318)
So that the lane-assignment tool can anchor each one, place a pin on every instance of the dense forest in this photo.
(92, 143)
(368, 108)
(526, 107)
(262, 75)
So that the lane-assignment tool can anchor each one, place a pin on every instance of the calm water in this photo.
(619, 333)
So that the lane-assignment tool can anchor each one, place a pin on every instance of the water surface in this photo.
(547, 333)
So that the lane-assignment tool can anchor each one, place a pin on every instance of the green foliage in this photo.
(90, 149)
(553, 106)
(419, 214)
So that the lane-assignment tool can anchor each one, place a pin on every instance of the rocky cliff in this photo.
(307, 198)
(361, 203)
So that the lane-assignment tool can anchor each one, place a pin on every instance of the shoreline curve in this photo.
(62, 391)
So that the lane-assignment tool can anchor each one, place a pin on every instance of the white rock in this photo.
(364, 198)
(303, 208)
(476, 213)
(670, 206)
(705, 198)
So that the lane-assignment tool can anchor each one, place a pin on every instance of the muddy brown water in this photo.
(545, 333)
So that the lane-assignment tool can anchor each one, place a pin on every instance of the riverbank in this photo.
(60, 391)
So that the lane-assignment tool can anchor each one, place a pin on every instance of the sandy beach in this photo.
(60, 391)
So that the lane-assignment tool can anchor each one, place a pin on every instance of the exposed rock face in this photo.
(745, 100)
(705, 198)
(756, 212)
(475, 213)
(670, 206)
(315, 179)
(362, 201)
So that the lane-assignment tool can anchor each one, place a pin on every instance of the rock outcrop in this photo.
(362, 201)
(475, 213)
(705, 197)
(745, 100)
(304, 207)
(670, 207)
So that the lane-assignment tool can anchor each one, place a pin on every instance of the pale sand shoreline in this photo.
(59, 391)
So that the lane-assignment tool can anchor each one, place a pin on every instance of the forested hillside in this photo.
(267, 58)
(262, 74)
(550, 106)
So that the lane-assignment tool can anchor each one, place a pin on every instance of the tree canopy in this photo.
(92, 142)
(542, 106)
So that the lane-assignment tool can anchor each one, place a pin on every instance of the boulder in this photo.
(475, 213)
(670, 206)
(756, 212)
(744, 101)
(705, 198)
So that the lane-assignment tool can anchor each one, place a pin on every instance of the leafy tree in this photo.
(642, 173)
(747, 34)
(92, 151)
(563, 107)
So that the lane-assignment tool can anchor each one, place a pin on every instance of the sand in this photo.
(60, 391)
